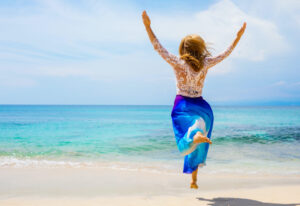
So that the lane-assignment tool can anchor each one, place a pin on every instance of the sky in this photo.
(98, 52)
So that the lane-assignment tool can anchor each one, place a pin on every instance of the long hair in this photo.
(193, 50)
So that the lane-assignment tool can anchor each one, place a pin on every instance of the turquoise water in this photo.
(245, 139)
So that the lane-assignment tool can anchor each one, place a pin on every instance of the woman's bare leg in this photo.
(194, 179)
(198, 138)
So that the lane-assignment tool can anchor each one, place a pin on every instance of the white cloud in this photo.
(57, 30)
(220, 69)
(286, 84)
(52, 40)
(60, 22)
(219, 25)
(279, 83)
(62, 28)
(126, 67)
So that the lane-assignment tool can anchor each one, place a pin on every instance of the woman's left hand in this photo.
(146, 19)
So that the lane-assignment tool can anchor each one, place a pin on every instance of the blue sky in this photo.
(97, 52)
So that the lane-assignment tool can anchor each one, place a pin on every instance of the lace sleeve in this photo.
(170, 58)
(212, 61)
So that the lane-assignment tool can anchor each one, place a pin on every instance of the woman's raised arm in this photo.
(170, 58)
(211, 61)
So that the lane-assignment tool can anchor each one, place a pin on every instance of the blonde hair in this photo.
(193, 50)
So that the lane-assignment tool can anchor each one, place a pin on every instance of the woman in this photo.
(192, 116)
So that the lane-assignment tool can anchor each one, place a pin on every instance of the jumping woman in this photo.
(192, 116)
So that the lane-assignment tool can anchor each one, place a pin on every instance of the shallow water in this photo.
(245, 139)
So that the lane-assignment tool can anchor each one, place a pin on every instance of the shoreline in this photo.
(92, 186)
(163, 166)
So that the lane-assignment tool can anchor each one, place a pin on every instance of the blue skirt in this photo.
(190, 115)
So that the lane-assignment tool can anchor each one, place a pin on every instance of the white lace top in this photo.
(189, 82)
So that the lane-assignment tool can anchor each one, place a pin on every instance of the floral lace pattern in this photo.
(188, 82)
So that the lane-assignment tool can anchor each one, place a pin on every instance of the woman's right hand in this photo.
(146, 18)
(242, 30)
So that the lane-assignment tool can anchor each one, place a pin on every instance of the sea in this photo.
(245, 139)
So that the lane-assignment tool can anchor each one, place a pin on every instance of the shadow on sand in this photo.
(227, 201)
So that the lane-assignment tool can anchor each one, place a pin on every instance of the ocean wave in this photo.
(167, 167)
(6, 162)
(258, 135)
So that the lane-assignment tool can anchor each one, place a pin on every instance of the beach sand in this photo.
(104, 186)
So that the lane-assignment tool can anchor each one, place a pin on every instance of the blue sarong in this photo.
(190, 115)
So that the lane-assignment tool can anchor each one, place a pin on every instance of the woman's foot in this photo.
(194, 185)
(199, 138)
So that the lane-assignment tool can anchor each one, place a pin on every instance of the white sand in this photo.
(86, 186)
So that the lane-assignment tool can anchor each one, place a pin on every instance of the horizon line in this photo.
(216, 104)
